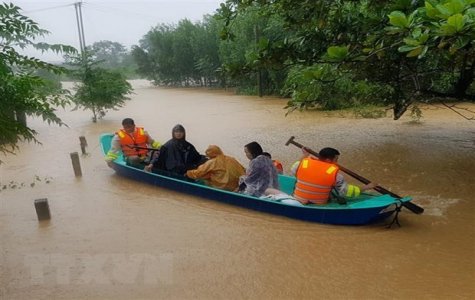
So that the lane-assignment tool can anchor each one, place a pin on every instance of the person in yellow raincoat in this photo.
(220, 171)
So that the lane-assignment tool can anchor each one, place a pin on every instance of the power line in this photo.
(47, 8)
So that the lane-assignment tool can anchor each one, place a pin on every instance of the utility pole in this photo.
(82, 40)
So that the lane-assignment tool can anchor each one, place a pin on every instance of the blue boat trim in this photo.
(365, 209)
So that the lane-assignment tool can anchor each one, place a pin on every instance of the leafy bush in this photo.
(323, 86)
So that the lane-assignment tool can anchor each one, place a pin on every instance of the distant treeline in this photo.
(107, 55)
(319, 54)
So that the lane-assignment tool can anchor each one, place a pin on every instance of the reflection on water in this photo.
(214, 250)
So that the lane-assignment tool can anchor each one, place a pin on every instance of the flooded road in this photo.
(113, 238)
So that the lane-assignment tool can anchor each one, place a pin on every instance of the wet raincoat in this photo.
(260, 175)
(220, 171)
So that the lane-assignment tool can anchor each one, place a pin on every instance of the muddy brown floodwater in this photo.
(114, 238)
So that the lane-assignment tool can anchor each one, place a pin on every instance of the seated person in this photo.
(261, 173)
(126, 139)
(220, 171)
(277, 164)
(316, 177)
(177, 155)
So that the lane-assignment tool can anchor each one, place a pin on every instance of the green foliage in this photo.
(22, 93)
(402, 44)
(324, 86)
(110, 56)
(182, 54)
(323, 53)
(369, 112)
(416, 114)
(100, 90)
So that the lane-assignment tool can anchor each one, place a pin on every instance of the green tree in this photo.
(99, 89)
(182, 54)
(110, 54)
(347, 52)
(21, 91)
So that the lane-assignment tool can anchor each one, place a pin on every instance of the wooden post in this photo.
(83, 143)
(42, 209)
(76, 164)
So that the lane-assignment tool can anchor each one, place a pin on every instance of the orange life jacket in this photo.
(138, 138)
(278, 166)
(315, 180)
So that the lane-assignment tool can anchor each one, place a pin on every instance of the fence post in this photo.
(83, 143)
(76, 164)
(42, 209)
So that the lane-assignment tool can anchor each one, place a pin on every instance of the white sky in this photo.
(123, 21)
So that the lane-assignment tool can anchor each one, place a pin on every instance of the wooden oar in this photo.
(411, 206)
(142, 148)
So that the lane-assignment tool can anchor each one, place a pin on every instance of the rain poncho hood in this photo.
(220, 171)
(178, 155)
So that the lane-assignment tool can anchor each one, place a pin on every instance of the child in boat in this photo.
(220, 171)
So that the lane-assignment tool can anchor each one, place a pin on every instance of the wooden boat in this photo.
(365, 209)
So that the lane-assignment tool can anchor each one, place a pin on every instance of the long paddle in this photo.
(142, 148)
(411, 206)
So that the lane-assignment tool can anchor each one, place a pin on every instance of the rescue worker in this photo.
(317, 177)
(126, 139)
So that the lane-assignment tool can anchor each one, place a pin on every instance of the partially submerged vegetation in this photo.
(326, 54)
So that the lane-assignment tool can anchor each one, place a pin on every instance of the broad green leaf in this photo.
(455, 6)
(457, 21)
(337, 52)
(424, 51)
(423, 38)
(398, 19)
(444, 12)
(447, 30)
(411, 42)
(415, 52)
(431, 11)
(393, 29)
(406, 48)
(416, 33)
(470, 13)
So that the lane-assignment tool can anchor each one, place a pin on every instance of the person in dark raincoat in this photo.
(177, 155)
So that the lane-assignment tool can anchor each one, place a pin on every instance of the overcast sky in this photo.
(123, 21)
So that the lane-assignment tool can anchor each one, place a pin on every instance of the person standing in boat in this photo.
(219, 171)
(126, 139)
(177, 155)
(317, 177)
(261, 173)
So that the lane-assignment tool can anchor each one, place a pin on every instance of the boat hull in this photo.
(359, 212)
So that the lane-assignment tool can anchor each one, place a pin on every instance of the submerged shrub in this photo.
(324, 87)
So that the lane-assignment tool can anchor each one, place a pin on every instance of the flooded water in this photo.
(113, 238)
